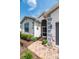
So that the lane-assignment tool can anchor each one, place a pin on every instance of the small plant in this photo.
(44, 42)
(27, 55)
(23, 36)
(29, 36)
(34, 38)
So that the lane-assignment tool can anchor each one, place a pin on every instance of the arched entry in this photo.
(44, 28)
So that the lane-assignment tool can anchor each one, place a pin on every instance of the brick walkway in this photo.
(44, 52)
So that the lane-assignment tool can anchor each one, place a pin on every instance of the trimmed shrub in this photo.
(34, 38)
(29, 36)
(26, 36)
(44, 42)
(23, 36)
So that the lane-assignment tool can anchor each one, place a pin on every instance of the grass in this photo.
(27, 54)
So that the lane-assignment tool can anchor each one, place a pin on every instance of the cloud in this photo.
(32, 4)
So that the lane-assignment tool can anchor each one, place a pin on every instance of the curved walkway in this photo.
(44, 52)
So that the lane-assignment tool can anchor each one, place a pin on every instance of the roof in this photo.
(29, 17)
(55, 7)
(47, 13)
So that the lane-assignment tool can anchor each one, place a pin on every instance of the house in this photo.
(46, 25)
(31, 25)
(50, 24)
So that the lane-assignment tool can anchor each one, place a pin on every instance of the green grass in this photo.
(27, 55)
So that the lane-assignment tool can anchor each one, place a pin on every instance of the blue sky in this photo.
(35, 7)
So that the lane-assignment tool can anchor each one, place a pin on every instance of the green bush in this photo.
(44, 41)
(29, 36)
(26, 36)
(34, 38)
(23, 36)
(27, 55)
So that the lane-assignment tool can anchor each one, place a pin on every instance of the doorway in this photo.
(44, 28)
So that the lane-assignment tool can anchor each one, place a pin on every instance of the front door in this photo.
(44, 28)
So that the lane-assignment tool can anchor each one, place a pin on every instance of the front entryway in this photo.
(44, 28)
(57, 33)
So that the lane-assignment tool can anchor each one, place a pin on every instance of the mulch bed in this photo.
(25, 43)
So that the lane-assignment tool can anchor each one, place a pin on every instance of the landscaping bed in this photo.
(24, 44)
(27, 54)
(28, 37)
(25, 41)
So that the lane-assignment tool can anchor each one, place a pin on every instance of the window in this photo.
(44, 29)
(44, 34)
(26, 27)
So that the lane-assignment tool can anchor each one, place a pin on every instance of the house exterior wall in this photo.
(37, 29)
(34, 27)
(30, 26)
(55, 19)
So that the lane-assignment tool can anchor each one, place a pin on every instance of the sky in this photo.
(35, 7)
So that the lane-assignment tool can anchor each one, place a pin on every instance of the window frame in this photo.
(26, 27)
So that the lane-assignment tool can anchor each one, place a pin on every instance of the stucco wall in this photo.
(37, 29)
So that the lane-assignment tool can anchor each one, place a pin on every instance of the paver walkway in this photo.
(44, 52)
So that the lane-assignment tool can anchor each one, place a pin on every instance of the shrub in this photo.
(26, 36)
(29, 36)
(44, 41)
(27, 55)
(23, 36)
(34, 38)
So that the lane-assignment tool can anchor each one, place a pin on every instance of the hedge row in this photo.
(27, 37)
